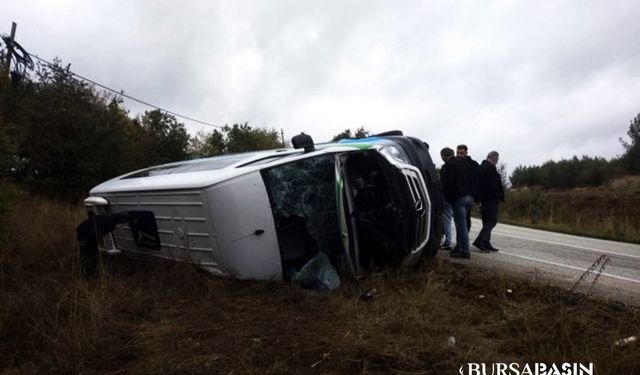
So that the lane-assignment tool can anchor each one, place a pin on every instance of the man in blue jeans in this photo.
(462, 151)
(457, 185)
(447, 217)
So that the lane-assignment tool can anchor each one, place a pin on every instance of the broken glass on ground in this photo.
(318, 274)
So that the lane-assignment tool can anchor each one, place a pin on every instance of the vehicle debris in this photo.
(325, 356)
(318, 274)
(368, 296)
(626, 341)
(451, 341)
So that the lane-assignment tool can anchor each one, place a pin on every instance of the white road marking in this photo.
(568, 266)
(568, 245)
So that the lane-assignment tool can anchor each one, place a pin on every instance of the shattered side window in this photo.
(305, 191)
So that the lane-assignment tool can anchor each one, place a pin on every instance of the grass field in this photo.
(608, 212)
(170, 318)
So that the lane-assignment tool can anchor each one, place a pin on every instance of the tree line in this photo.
(584, 171)
(62, 133)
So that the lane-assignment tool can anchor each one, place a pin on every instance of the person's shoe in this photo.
(490, 247)
(446, 246)
(460, 255)
(482, 247)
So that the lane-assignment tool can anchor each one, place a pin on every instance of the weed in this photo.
(165, 317)
(604, 212)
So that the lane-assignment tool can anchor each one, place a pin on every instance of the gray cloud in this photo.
(535, 80)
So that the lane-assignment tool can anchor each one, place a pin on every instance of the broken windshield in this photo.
(303, 200)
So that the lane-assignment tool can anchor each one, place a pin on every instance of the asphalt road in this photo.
(561, 259)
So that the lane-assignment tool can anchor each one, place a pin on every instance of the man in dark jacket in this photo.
(457, 185)
(490, 193)
(462, 151)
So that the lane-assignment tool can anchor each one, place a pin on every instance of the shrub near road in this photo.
(605, 212)
(168, 318)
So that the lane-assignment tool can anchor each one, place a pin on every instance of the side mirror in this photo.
(303, 141)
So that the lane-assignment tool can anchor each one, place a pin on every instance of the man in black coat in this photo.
(462, 151)
(457, 186)
(490, 193)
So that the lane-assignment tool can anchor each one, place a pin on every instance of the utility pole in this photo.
(282, 135)
(12, 38)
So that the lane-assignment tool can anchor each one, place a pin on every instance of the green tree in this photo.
(345, 134)
(7, 143)
(504, 177)
(215, 144)
(359, 133)
(166, 139)
(69, 134)
(7, 148)
(242, 138)
(10, 94)
(565, 174)
(196, 145)
(203, 144)
(234, 139)
(632, 154)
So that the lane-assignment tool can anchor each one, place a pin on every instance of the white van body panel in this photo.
(244, 227)
(189, 180)
(184, 224)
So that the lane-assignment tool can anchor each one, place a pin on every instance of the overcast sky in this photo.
(535, 80)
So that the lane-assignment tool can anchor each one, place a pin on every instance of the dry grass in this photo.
(604, 212)
(626, 183)
(172, 318)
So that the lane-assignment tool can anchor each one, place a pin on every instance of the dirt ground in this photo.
(173, 318)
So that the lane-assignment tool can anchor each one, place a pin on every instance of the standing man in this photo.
(457, 179)
(447, 214)
(490, 194)
(462, 151)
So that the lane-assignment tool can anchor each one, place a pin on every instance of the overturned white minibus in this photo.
(258, 215)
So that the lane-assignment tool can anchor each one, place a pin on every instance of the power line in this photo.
(122, 94)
